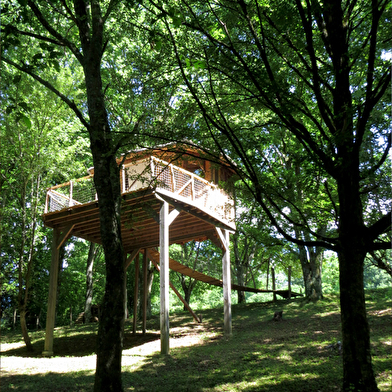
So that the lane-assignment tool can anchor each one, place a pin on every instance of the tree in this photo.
(29, 129)
(77, 35)
(199, 256)
(314, 71)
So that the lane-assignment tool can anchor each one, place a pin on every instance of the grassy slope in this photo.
(291, 355)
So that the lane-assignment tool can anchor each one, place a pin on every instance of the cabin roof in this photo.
(185, 149)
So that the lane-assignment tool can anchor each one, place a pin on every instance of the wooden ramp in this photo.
(182, 269)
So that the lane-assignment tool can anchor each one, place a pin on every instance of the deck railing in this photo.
(154, 173)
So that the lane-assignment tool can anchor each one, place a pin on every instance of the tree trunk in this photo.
(273, 283)
(107, 185)
(357, 362)
(150, 278)
(268, 268)
(239, 269)
(25, 332)
(187, 288)
(311, 270)
(89, 283)
(240, 279)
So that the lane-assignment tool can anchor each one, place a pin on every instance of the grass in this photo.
(299, 353)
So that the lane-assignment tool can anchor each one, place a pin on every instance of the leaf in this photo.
(200, 64)
(56, 65)
(177, 21)
(17, 79)
(24, 106)
(25, 120)
(10, 109)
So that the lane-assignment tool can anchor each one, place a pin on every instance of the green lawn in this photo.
(299, 353)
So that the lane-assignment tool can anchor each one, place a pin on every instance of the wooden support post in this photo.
(53, 279)
(273, 283)
(136, 292)
(164, 275)
(289, 278)
(145, 296)
(226, 278)
(226, 285)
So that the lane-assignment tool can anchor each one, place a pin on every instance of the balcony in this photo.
(149, 174)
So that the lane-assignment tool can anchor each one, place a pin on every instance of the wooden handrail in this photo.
(201, 191)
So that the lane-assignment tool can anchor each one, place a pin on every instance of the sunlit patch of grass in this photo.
(295, 354)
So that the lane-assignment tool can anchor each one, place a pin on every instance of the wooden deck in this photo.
(202, 206)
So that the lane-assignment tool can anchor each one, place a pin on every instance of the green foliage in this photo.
(32, 158)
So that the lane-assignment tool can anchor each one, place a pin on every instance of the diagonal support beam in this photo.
(130, 258)
(178, 295)
(154, 261)
(64, 236)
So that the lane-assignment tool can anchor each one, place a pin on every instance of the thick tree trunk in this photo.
(107, 184)
(358, 373)
(111, 323)
(89, 283)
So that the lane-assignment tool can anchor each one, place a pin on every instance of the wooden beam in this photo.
(179, 295)
(131, 257)
(65, 234)
(164, 276)
(53, 279)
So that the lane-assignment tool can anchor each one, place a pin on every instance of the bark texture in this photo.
(107, 184)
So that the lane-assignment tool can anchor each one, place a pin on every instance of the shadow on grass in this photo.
(82, 381)
(238, 365)
(78, 345)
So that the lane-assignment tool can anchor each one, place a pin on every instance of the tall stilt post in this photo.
(145, 294)
(226, 284)
(164, 275)
(135, 296)
(53, 279)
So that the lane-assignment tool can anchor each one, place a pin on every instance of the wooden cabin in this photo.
(170, 194)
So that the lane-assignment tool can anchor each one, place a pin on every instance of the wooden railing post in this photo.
(47, 202)
(123, 179)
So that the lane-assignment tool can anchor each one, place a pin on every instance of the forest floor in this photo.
(299, 353)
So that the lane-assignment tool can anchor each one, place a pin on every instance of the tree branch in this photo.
(66, 100)
(379, 227)
(37, 12)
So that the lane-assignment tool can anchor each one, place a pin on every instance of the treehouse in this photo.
(170, 194)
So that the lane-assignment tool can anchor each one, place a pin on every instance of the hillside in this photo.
(299, 353)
